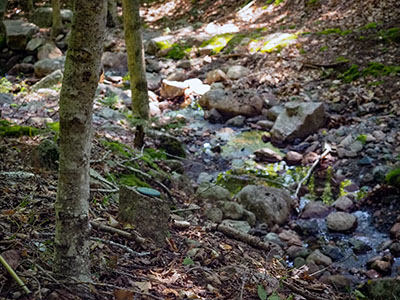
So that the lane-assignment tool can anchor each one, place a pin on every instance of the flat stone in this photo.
(267, 155)
(315, 209)
(293, 158)
(319, 258)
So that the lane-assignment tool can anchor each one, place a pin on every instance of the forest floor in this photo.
(346, 56)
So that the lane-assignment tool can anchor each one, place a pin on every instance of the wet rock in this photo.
(237, 121)
(372, 274)
(381, 289)
(215, 76)
(18, 33)
(341, 222)
(6, 98)
(333, 252)
(116, 62)
(379, 173)
(381, 266)
(395, 249)
(213, 193)
(42, 16)
(318, 258)
(274, 112)
(298, 120)
(299, 262)
(149, 215)
(315, 209)
(358, 246)
(172, 89)
(242, 226)
(213, 116)
(237, 72)
(214, 214)
(49, 81)
(365, 161)
(153, 46)
(343, 203)
(49, 50)
(34, 44)
(274, 238)
(340, 282)
(229, 105)
(313, 268)
(297, 251)
(232, 210)
(265, 124)
(307, 227)
(293, 158)
(395, 231)
(270, 205)
(267, 155)
(46, 66)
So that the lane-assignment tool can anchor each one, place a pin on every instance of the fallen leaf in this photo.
(143, 286)
(123, 294)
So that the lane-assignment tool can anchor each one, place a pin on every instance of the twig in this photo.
(136, 157)
(316, 162)
(131, 236)
(14, 275)
(302, 292)
(126, 248)
(116, 190)
(101, 159)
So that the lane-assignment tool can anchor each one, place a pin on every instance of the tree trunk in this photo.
(112, 15)
(81, 75)
(57, 26)
(3, 8)
(30, 6)
(136, 66)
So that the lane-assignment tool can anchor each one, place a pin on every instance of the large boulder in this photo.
(229, 105)
(298, 120)
(46, 66)
(19, 33)
(43, 16)
(270, 205)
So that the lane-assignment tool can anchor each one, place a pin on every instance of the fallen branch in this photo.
(14, 275)
(130, 236)
(126, 248)
(302, 292)
(248, 239)
(316, 162)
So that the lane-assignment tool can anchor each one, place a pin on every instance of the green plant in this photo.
(362, 138)
(110, 101)
(5, 85)
(188, 261)
(323, 49)
(393, 177)
(327, 196)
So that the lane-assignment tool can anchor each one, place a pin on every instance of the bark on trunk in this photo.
(3, 8)
(112, 15)
(81, 76)
(136, 66)
(57, 26)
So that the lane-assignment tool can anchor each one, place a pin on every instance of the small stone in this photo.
(265, 124)
(372, 274)
(213, 116)
(232, 210)
(356, 146)
(237, 121)
(395, 249)
(341, 222)
(267, 155)
(319, 258)
(299, 262)
(340, 282)
(242, 226)
(214, 214)
(358, 246)
(395, 231)
(315, 209)
(383, 267)
(343, 203)
(365, 161)
(274, 238)
(237, 72)
(379, 135)
(333, 252)
(274, 112)
(293, 158)
(172, 89)
(215, 76)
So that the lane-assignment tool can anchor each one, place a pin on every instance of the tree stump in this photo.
(149, 215)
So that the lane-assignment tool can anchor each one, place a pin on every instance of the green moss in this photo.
(179, 51)
(362, 138)
(371, 25)
(345, 183)
(275, 2)
(393, 34)
(120, 148)
(327, 196)
(162, 45)
(218, 42)
(335, 31)
(110, 101)
(131, 180)
(17, 131)
(5, 85)
(323, 49)
(54, 126)
(350, 74)
(277, 42)
(393, 177)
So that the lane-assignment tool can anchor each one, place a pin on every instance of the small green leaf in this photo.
(261, 292)
(358, 294)
(188, 261)
(274, 296)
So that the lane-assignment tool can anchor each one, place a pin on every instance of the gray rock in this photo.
(298, 120)
(34, 44)
(232, 210)
(46, 66)
(153, 45)
(214, 214)
(296, 251)
(19, 33)
(237, 121)
(153, 81)
(117, 62)
(270, 205)
(333, 252)
(318, 258)
(215, 76)
(237, 72)
(49, 50)
(274, 238)
(395, 249)
(293, 158)
(242, 226)
(267, 155)
(50, 80)
(341, 222)
(343, 203)
(177, 76)
(356, 146)
(213, 193)
(229, 105)
(48, 153)
(6, 98)
(249, 217)
(358, 246)
(213, 116)
(265, 124)
(299, 262)
(42, 16)
(182, 183)
(184, 64)
(340, 282)
(274, 112)
(379, 173)
(110, 114)
(315, 209)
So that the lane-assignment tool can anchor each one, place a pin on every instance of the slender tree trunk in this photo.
(57, 26)
(3, 8)
(81, 75)
(136, 66)
(30, 6)
(112, 15)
